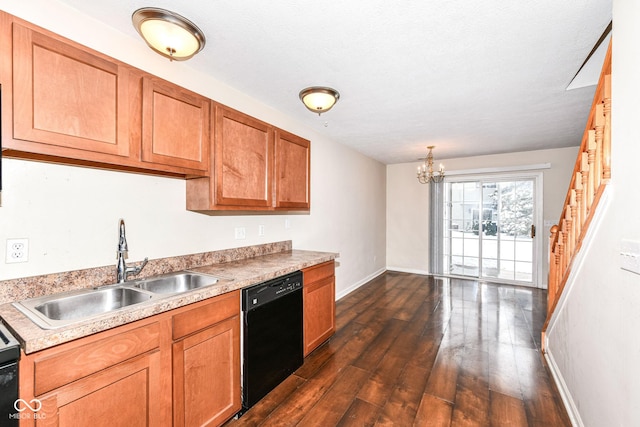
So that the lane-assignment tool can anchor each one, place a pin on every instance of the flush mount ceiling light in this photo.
(171, 35)
(319, 99)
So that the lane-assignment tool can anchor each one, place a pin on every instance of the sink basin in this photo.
(177, 282)
(91, 303)
(54, 311)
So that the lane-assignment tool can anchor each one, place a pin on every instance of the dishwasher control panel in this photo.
(256, 295)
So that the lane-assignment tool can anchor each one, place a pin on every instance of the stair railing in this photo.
(592, 172)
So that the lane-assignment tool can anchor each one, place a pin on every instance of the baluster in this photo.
(582, 206)
(587, 194)
(552, 288)
(568, 234)
(591, 158)
(575, 223)
(561, 257)
(606, 143)
(599, 135)
(557, 278)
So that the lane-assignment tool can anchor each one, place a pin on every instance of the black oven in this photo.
(9, 356)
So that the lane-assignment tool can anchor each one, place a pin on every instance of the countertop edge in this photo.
(233, 275)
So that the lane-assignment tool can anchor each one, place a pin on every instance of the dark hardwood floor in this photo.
(411, 350)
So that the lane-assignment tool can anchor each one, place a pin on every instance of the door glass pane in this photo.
(516, 217)
(524, 249)
(490, 267)
(489, 247)
(488, 227)
(462, 200)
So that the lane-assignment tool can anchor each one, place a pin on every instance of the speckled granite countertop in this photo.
(233, 275)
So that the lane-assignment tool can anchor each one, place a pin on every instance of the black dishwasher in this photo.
(271, 335)
(9, 356)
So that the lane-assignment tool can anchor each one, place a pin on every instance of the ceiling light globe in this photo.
(168, 33)
(319, 99)
(169, 38)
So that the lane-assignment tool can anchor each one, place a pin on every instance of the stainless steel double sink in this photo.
(54, 311)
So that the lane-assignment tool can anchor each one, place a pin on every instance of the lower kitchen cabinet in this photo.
(206, 368)
(180, 367)
(126, 394)
(319, 300)
(113, 378)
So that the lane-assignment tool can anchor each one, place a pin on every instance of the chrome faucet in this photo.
(122, 270)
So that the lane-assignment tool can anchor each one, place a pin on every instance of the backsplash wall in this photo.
(35, 286)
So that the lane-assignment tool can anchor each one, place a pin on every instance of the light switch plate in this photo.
(630, 255)
(241, 233)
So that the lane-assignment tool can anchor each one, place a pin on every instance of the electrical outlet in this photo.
(630, 255)
(287, 223)
(241, 233)
(261, 230)
(17, 250)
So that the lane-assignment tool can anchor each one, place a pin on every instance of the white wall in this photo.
(593, 341)
(407, 207)
(70, 214)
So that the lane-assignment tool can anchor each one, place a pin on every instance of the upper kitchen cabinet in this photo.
(292, 171)
(254, 167)
(242, 165)
(175, 126)
(66, 103)
(242, 160)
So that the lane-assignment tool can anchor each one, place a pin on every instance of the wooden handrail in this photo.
(591, 173)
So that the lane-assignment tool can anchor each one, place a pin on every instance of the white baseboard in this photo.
(356, 285)
(409, 270)
(567, 399)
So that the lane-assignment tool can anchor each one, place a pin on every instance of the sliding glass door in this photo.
(489, 229)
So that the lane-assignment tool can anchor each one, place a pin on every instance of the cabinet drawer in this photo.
(57, 368)
(318, 272)
(208, 313)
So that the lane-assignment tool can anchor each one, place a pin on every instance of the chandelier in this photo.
(425, 172)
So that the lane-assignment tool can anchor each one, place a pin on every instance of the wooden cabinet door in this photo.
(73, 103)
(175, 126)
(319, 305)
(292, 171)
(206, 375)
(125, 395)
(112, 378)
(243, 160)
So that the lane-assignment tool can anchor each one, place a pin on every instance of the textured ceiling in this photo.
(468, 76)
